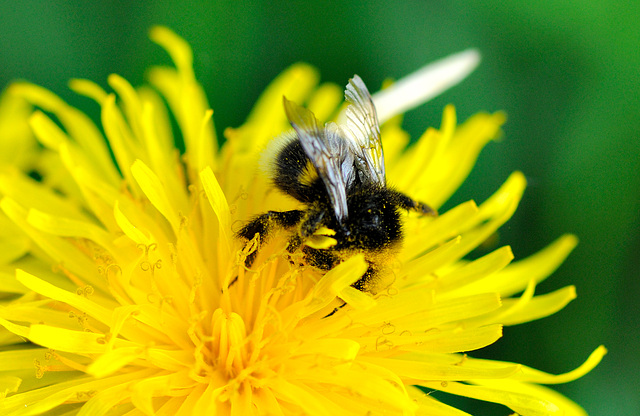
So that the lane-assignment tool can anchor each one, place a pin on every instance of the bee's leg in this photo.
(310, 223)
(335, 310)
(362, 283)
(267, 222)
(322, 259)
(264, 224)
(410, 204)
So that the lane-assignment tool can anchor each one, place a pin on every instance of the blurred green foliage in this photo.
(566, 72)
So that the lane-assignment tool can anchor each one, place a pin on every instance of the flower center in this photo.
(230, 357)
(228, 343)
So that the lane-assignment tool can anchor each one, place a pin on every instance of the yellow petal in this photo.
(155, 191)
(104, 400)
(77, 125)
(136, 234)
(145, 390)
(540, 306)
(75, 389)
(450, 169)
(29, 193)
(8, 384)
(394, 142)
(20, 330)
(537, 267)
(67, 340)
(266, 403)
(125, 148)
(536, 376)
(456, 340)
(475, 229)
(430, 262)
(13, 248)
(267, 118)
(370, 386)
(419, 369)
(65, 227)
(309, 401)
(60, 250)
(89, 89)
(423, 235)
(342, 348)
(178, 48)
(112, 361)
(523, 401)
(9, 284)
(48, 133)
(415, 160)
(325, 100)
(476, 270)
(18, 146)
(36, 312)
(161, 141)
(357, 299)
(218, 202)
(449, 310)
(429, 147)
(171, 407)
(341, 276)
(430, 406)
(130, 103)
(83, 304)
(187, 100)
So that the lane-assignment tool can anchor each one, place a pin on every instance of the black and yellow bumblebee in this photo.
(337, 172)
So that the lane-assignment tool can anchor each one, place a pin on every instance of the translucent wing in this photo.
(325, 151)
(363, 132)
(336, 141)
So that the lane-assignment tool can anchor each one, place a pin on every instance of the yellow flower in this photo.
(134, 297)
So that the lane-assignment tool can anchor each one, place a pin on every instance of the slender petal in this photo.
(425, 84)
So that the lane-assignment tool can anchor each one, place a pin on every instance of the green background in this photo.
(566, 72)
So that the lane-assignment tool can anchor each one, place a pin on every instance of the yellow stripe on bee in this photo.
(308, 175)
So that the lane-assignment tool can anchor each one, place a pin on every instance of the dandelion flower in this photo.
(131, 295)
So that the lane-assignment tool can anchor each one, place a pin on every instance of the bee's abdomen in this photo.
(295, 174)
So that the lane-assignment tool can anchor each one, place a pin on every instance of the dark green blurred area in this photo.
(565, 72)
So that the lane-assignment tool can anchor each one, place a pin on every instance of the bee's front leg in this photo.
(411, 204)
(263, 225)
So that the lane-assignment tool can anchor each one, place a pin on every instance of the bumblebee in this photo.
(337, 173)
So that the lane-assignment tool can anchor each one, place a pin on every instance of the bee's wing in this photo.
(344, 151)
(325, 152)
(363, 131)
